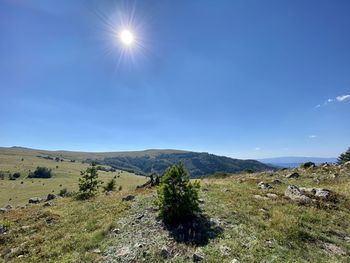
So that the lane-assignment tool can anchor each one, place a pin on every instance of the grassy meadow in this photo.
(65, 175)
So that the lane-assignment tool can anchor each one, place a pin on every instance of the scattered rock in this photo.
(140, 216)
(307, 190)
(259, 197)
(272, 196)
(35, 200)
(322, 193)
(96, 251)
(225, 250)
(264, 185)
(235, 261)
(295, 194)
(128, 198)
(8, 207)
(2, 229)
(201, 201)
(277, 181)
(3, 210)
(164, 252)
(198, 255)
(308, 165)
(115, 231)
(48, 204)
(347, 163)
(14, 252)
(334, 176)
(205, 189)
(334, 249)
(292, 175)
(124, 251)
(50, 197)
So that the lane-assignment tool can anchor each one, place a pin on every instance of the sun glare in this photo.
(126, 37)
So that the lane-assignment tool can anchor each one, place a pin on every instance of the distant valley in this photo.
(293, 161)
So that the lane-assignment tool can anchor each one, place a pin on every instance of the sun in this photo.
(126, 37)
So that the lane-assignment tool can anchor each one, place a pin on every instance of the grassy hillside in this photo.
(240, 223)
(65, 175)
(148, 161)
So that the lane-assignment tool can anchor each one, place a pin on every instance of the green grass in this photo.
(253, 230)
(65, 176)
(69, 231)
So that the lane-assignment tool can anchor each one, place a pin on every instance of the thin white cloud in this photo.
(343, 97)
(312, 136)
(330, 100)
(257, 149)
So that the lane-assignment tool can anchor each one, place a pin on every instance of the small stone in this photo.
(225, 250)
(272, 196)
(259, 197)
(277, 181)
(48, 204)
(8, 207)
(322, 193)
(140, 216)
(128, 198)
(115, 231)
(235, 261)
(201, 201)
(96, 251)
(50, 197)
(2, 229)
(198, 255)
(3, 210)
(123, 252)
(334, 249)
(164, 252)
(35, 200)
(292, 175)
(264, 185)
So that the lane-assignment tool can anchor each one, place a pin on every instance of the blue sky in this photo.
(247, 79)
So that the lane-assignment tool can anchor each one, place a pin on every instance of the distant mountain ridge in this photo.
(294, 161)
(149, 161)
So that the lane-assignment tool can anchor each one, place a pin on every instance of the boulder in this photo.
(295, 194)
(35, 200)
(347, 164)
(198, 255)
(8, 207)
(264, 185)
(293, 175)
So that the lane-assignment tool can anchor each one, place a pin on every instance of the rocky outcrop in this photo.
(35, 200)
(264, 185)
(292, 175)
(294, 193)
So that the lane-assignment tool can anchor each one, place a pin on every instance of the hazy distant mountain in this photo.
(148, 161)
(294, 161)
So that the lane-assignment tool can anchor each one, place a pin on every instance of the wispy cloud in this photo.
(312, 136)
(257, 148)
(343, 97)
(340, 98)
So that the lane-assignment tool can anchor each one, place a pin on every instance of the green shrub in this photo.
(110, 186)
(88, 183)
(41, 172)
(16, 175)
(177, 196)
(63, 192)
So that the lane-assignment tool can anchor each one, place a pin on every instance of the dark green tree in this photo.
(40, 172)
(344, 157)
(110, 186)
(89, 182)
(177, 196)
